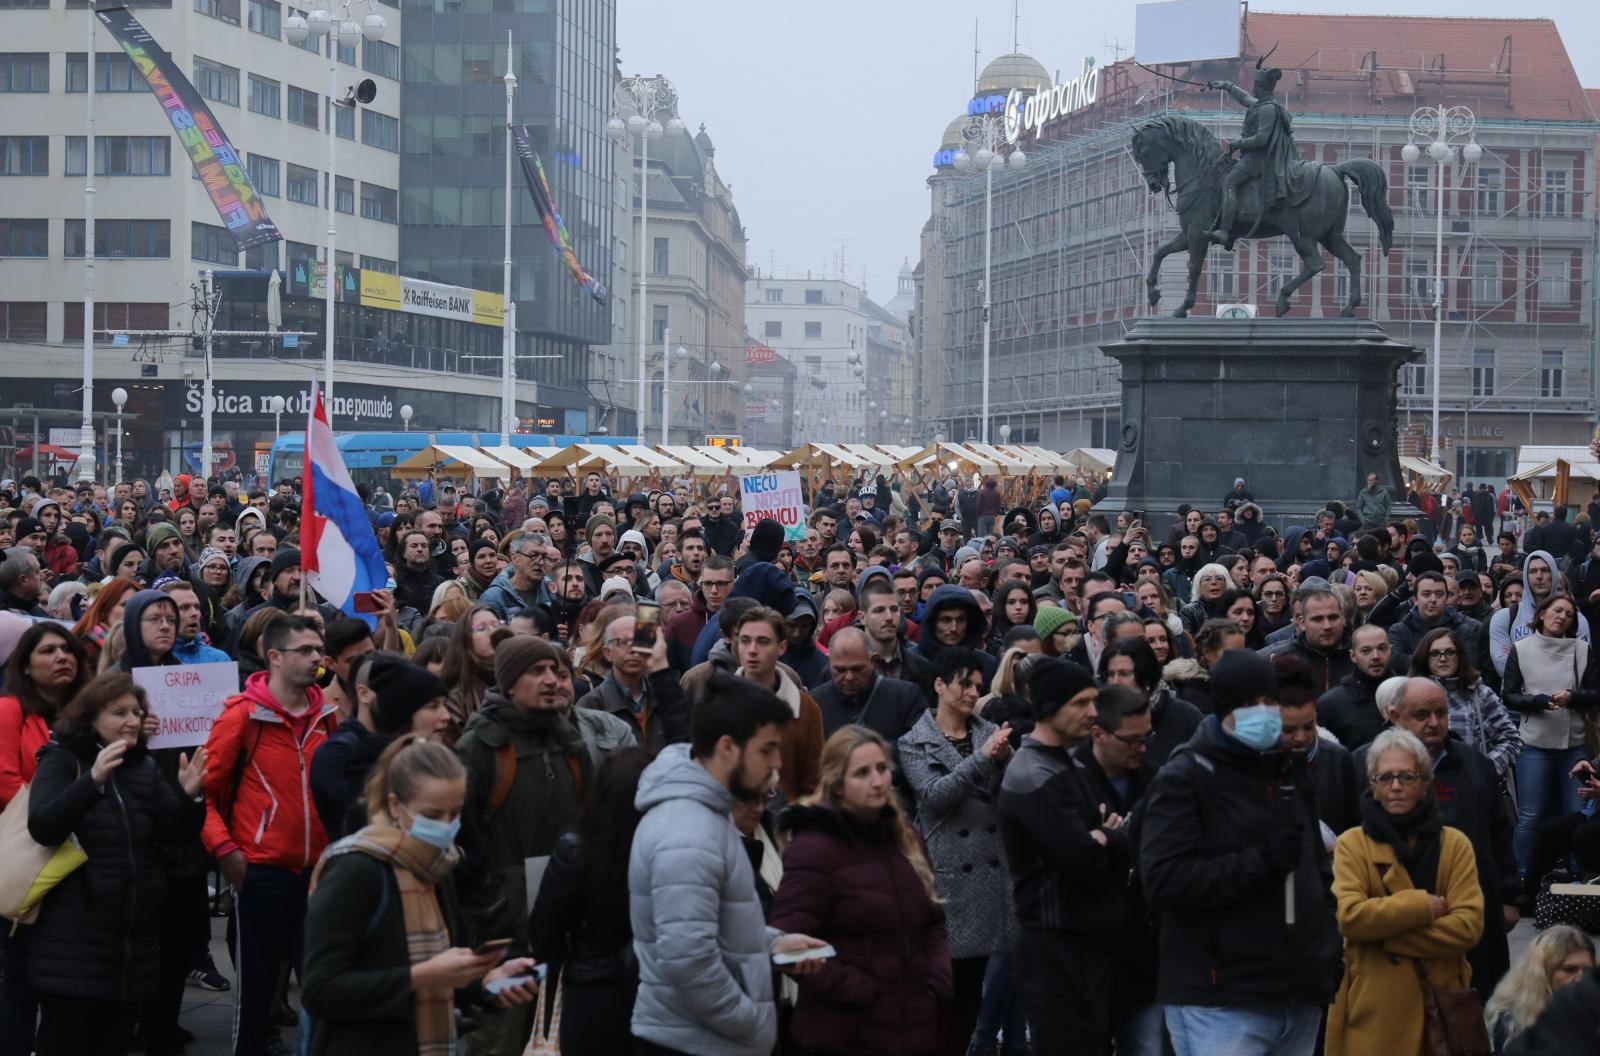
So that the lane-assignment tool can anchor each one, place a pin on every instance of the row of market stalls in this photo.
(1007, 462)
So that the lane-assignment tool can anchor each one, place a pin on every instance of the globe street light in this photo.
(276, 405)
(119, 396)
(1444, 126)
(986, 134)
(637, 104)
(405, 415)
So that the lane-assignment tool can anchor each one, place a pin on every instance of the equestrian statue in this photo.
(1268, 191)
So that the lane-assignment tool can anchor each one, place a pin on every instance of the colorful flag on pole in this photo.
(554, 228)
(339, 554)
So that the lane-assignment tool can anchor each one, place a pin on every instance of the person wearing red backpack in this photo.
(260, 822)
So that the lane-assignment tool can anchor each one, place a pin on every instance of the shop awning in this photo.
(959, 454)
(651, 457)
(1094, 459)
(521, 459)
(1431, 472)
(578, 459)
(447, 456)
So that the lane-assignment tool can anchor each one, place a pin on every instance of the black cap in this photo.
(1054, 681)
(1468, 579)
(1239, 677)
(403, 689)
(282, 561)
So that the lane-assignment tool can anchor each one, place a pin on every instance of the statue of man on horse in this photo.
(1266, 152)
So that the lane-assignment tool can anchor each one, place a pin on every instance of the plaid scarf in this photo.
(417, 868)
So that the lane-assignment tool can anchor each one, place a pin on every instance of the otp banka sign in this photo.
(1030, 113)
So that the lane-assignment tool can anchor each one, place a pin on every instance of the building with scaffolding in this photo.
(1074, 229)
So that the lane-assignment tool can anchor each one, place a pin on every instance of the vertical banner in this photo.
(773, 496)
(218, 165)
(554, 228)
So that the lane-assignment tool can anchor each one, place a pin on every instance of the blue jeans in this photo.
(1002, 1013)
(1204, 1030)
(1543, 791)
(1139, 1032)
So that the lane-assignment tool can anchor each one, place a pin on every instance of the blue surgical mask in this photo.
(436, 833)
(1258, 726)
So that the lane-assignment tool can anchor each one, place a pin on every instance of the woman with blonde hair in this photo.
(1369, 588)
(856, 875)
(1211, 582)
(1555, 958)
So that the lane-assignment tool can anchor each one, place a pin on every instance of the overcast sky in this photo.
(826, 113)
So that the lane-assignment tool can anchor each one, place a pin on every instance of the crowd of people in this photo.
(948, 770)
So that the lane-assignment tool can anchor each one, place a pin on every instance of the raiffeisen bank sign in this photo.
(1032, 113)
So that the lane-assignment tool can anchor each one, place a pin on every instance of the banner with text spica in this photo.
(220, 167)
(774, 496)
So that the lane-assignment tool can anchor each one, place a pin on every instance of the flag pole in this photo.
(508, 335)
(308, 509)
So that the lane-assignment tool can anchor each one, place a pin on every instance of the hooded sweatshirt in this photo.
(948, 596)
(134, 653)
(1507, 629)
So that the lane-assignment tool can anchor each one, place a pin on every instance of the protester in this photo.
(1555, 959)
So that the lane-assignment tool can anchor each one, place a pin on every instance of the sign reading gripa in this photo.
(1031, 113)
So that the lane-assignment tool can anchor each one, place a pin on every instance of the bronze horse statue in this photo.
(1199, 164)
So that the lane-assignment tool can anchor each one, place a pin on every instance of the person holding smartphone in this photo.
(381, 967)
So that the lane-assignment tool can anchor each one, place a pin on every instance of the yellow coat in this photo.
(1386, 923)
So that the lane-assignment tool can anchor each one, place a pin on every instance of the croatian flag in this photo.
(339, 553)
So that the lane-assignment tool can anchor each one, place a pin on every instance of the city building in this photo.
(696, 293)
(1074, 229)
(770, 412)
(857, 367)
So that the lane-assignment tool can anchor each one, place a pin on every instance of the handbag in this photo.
(1452, 1020)
(1563, 899)
(546, 1041)
(29, 869)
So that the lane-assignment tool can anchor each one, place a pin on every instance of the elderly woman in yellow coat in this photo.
(1407, 891)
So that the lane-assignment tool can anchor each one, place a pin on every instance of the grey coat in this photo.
(705, 968)
(956, 813)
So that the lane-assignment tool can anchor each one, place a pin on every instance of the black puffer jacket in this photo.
(98, 932)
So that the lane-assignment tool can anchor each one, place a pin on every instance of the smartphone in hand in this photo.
(816, 953)
(646, 621)
(491, 945)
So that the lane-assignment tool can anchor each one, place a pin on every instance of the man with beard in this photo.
(569, 592)
(692, 554)
(1049, 533)
(722, 530)
(1349, 710)
(430, 524)
(166, 550)
(415, 575)
(601, 533)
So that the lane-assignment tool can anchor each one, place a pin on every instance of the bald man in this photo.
(858, 694)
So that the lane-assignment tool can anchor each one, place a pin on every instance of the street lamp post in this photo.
(405, 415)
(119, 396)
(508, 332)
(1444, 126)
(985, 133)
(322, 24)
(637, 103)
(276, 404)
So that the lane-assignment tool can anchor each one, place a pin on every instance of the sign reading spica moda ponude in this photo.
(1031, 113)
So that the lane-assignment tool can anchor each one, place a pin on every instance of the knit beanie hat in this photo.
(615, 585)
(1239, 677)
(1052, 682)
(26, 526)
(154, 535)
(1424, 562)
(210, 554)
(1050, 618)
(930, 572)
(403, 689)
(766, 537)
(282, 561)
(476, 545)
(596, 521)
(516, 654)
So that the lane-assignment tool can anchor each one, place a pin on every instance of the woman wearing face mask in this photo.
(381, 973)
(93, 956)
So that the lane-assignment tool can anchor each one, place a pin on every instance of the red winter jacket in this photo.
(269, 815)
(21, 737)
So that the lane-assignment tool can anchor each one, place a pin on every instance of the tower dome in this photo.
(1015, 70)
(952, 137)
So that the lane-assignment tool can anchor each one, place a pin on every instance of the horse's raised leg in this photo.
(1310, 265)
(1350, 257)
(1199, 246)
(1152, 278)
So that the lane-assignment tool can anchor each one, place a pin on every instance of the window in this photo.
(1223, 276)
(813, 296)
(774, 296)
(1414, 378)
(1555, 277)
(1419, 280)
(25, 3)
(345, 194)
(1282, 267)
(266, 96)
(113, 315)
(346, 55)
(813, 330)
(1490, 180)
(1555, 192)
(302, 184)
(312, 43)
(380, 203)
(1483, 372)
(380, 58)
(113, 72)
(24, 238)
(266, 18)
(24, 71)
(149, 239)
(344, 122)
(211, 243)
(265, 175)
(302, 109)
(773, 328)
(302, 263)
(122, 156)
(1551, 364)
(261, 257)
(24, 155)
(216, 82)
(658, 323)
(1486, 278)
(380, 130)
(22, 320)
(388, 267)
(1419, 187)
(223, 10)
(660, 257)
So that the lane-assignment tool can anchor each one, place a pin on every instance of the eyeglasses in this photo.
(1441, 654)
(1407, 778)
(1274, 594)
(1132, 742)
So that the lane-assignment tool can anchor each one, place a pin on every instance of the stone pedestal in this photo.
(1303, 409)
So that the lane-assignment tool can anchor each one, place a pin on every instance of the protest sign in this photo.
(773, 496)
(186, 699)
